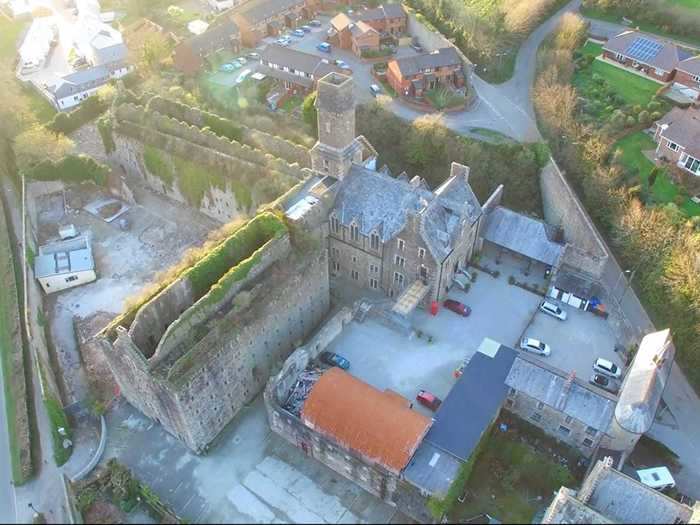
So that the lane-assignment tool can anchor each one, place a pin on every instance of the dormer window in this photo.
(374, 241)
(354, 232)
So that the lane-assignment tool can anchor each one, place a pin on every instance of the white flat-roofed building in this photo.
(65, 264)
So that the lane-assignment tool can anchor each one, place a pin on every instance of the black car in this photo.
(605, 382)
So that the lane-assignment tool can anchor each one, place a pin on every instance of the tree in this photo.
(309, 112)
(155, 49)
(37, 143)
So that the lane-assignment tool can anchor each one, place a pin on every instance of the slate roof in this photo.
(667, 58)
(108, 45)
(473, 403)
(361, 28)
(523, 235)
(80, 81)
(393, 10)
(683, 129)
(412, 65)
(314, 65)
(645, 381)
(378, 202)
(377, 425)
(547, 385)
(690, 65)
(255, 11)
(209, 40)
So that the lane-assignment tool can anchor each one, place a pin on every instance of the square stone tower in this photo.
(336, 148)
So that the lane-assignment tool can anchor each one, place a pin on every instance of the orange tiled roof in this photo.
(378, 425)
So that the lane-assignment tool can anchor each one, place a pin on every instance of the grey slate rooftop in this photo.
(683, 128)
(296, 61)
(666, 58)
(378, 202)
(80, 81)
(523, 235)
(548, 385)
(256, 11)
(412, 65)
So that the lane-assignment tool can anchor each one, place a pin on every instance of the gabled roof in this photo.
(690, 65)
(80, 81)
(255, 11)
(523, 235)
(412, 65)
(393, 10)
(549, 386)
(644, 383)
(645, 49)
(682, 126)
(295, 60)
(377, 425)
(361, 28)
(204, 43)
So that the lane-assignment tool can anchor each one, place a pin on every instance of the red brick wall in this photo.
(396, 81)
(648, 71)
(687, 80)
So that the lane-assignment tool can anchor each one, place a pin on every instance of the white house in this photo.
(65, 264)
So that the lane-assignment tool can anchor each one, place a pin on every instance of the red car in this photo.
(457, 307)
(428, 400)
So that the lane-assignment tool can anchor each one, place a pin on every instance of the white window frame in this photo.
(401, 244)
(696, 78)
(374, 283)
(373, 268)
(421, 253)
(354, 232)
(374, 240)
(672, 145)
(399, 261)
(399, 279)
(355, 275)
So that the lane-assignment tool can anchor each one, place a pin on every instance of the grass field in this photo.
(634, 89)
(9, 33)
(690, 4)
(664, 189)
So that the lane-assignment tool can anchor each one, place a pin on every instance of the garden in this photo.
(444, 98)
(515, 475)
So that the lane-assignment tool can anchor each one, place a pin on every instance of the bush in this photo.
(58, 419)
(70, 169)
(631, 121)
(643, 117)
(67, 123)
(309, 112)
(223, 127)
(104, 126)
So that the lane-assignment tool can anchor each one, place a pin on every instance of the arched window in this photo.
(374, 240)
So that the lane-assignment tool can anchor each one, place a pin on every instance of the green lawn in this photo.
(633, 88)
(9, 33)
(495, 136)
(291, 103)
(592, 49)
(690, 4)
(664, 189)
(506, 481)
(442, 98)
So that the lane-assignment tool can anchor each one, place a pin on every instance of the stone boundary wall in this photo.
(15, 376)
(283, 148)
(588, 252)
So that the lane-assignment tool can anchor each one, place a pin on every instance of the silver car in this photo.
(553, 310)
(535, 346)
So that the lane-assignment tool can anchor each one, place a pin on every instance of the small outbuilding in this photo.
(65, 264)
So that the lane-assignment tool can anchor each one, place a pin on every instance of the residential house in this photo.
(609, 496)
(365, 29)
(189, 55)
(647, 54)
(688, 77)
(678, 138)
(297, 71)
(141, 31)
(74, 88)
(412, 76)
(65, 264)
(260, 18)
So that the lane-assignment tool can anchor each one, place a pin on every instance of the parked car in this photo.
(342, 64)
(244, 74)
(552, 309)
(605, 382)
(305, 28)
(333, 359)
(242, 60)
(315, 23)
(324, 46)
(607, 368)
(535, 346)
(417, 47)
(374, 89)
(428, 400)
(457, 307)
(236, 64)
(658, 478)
(226, 68)
(253, 56)
(465, 272)
(462, 281)
(284, 41)
(299, 32)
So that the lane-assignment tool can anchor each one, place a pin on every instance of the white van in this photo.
(658, 478)
(608, 368)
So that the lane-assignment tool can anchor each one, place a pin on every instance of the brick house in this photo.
(649, 55)
(189, 55)
(297, 71)
(678, 138)
(365, 29)
(688, 76)
(260, 18)
(412, 76)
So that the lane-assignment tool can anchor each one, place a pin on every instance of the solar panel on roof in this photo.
(643, 49)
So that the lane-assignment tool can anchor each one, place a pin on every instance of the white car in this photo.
(284, 42)
(535, 346)
(658, 478)
(553, 310)
(342, 64)
(244, 74)
(607, 368)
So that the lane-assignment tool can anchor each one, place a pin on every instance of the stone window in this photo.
(354, 258)
(373, 268)
(421, 253)
(564, 430)
(401, 244)
(423, 272)
(536, 417)
(540, 405)
(326, 165)
(354, 232)
(374, 241)
(398, 279)
(591, 431)
(587, 442)
(335, 225)
(399, 261)
(335, 253)
(336, 266)
(569, 419)
(620, 57)
(373, 283)
(355, 275)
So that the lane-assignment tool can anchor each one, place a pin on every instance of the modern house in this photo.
(65, 264)
(365, 29)
(74, 88)
(189, 55)
(678, 138)
(688, 77)
(257, 19)
(649, 55)
(412, 76)
(297, 71)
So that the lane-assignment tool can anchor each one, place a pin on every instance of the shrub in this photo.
(58, 419)
(104, 126)
(67, 123)
(70, 169)
(223, 127)
(631, 121)
(309, 112)
(643, 117)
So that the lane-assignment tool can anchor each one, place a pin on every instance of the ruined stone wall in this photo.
(562, 208)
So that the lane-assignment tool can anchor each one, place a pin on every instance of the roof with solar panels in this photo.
(645, 49)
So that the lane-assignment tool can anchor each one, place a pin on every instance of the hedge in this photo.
(67, 123)
(70, 169)
(58, 419)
